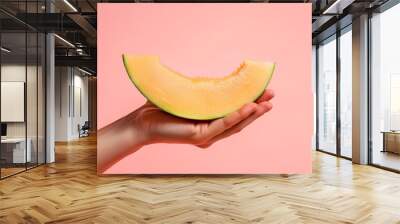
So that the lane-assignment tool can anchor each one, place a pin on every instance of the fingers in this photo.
(231, 120)
(261, 109)
(220, 125)
(266, 96)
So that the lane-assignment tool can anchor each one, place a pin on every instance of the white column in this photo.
(360, 90)
(50, 92)
(50, 99)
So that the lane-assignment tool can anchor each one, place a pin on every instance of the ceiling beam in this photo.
(86, 27)
(82, 61)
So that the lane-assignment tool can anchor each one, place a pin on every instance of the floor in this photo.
(5, 172)
(388, 159)
(10, 171)
(69, 191)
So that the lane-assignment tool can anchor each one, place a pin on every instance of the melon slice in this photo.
(198, 98)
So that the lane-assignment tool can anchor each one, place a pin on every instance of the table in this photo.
(391, 141)
(13, 150)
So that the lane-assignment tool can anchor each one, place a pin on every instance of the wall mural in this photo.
(204, 88)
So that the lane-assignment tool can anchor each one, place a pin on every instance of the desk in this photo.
(13, 150)
(391, 141)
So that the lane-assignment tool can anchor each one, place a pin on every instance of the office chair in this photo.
(84, 130)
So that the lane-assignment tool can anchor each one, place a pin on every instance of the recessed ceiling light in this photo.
(64, 40)
(84, 71)
(337, 7)
(5, 50)
(70, 5)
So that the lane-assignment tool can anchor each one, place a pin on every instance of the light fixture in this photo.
(79, 51)
(64, 40)
(5, 50)
(70, 5)
(337, 7)
(84, 71)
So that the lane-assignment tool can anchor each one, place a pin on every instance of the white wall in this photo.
(33, 127)
(62, 82)
(71, 93)
(12, 73)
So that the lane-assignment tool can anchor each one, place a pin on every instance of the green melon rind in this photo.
(183, 116)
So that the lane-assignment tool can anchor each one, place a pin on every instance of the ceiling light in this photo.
(70, 5)
(337, 7)
(79, 51)
(84, 71)
(5, 50)
(64, 40)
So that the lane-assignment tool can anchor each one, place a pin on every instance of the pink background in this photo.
(198, 39)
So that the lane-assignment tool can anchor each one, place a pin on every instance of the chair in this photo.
(84, 130)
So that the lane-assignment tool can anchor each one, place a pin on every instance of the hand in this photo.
(149, 124)
(160, 127)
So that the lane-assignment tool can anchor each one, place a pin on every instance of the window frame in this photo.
(336, 38)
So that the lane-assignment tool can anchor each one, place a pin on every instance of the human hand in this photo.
(148, 124)
(156, 126)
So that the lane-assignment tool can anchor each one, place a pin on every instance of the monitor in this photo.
(3, 129)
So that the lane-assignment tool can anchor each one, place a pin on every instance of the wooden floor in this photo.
(10, 171)
(69, 191)
(387, 159)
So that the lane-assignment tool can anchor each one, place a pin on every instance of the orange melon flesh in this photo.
(198, 98)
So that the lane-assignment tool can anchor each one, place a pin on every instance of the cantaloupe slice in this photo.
(199, 98)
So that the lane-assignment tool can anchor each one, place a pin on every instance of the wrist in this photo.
(138, 136)
(118, 140)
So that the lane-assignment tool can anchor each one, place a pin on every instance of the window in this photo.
(22, 77)
(346, 92)
(327, 95)
(385, 89)
(333, 137)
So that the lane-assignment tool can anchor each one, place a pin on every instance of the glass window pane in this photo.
(41, 98)
(14, 153)
(346, 94)
(31, 97)
(327, 96)
(31, 88)
(314, 84)
(22, 89)
(385, 114)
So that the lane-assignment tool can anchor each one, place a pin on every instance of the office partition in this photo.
(22, 78)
